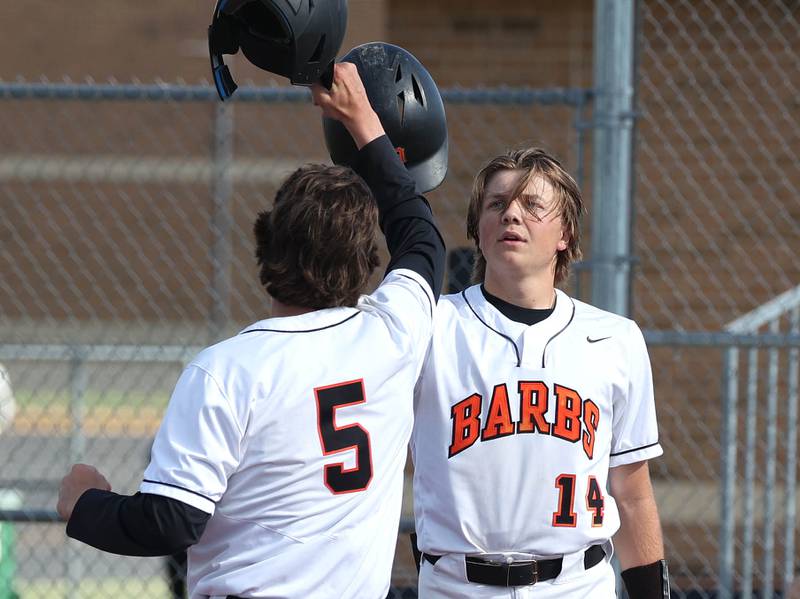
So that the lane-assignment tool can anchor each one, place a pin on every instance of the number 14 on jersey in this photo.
(566, 515)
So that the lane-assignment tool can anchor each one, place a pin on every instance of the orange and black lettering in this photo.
(401, 153)
(466, 416)
(533, 399)
(498, 420)
(565, 516)
(568, 414)
(591, 417)
(336, 439)
(595, 502)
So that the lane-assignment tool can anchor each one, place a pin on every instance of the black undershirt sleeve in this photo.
(405, 217)
(142, 524)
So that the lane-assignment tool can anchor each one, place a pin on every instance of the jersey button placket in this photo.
(531, 346)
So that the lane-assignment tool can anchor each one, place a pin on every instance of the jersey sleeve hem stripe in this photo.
(618, 453)
(637, 456)
(193, 498)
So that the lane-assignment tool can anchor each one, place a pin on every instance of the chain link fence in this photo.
(125, 215)
(717, 234)
(125, 229)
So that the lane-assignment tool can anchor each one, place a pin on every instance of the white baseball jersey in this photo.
(293, 435)
(516, 427)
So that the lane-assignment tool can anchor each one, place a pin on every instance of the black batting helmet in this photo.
(298, 39)
(409, 105)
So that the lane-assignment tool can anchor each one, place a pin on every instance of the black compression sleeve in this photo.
(143, 524)
(405, 217)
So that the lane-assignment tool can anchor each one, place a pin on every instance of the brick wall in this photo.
(482, 42)
(125, 39)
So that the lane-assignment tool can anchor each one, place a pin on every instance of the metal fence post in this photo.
(751, 422)
(580, 133)
(612, 173)
(77, 449)
(770, 467)
(221, 219)
(727, 519)
(791, 454)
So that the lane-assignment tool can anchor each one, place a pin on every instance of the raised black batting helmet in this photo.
(408, 103)
(298, 39)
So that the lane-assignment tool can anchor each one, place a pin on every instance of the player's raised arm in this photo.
(376, 144)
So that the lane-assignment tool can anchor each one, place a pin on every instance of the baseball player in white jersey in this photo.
(279, 462)
(534, 414)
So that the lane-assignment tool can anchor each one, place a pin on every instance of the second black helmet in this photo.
(410, 108)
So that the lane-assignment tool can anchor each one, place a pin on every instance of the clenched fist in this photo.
(81, 478)
(346, 101)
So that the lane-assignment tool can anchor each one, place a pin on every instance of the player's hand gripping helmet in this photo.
(298, 39)
(409, 106)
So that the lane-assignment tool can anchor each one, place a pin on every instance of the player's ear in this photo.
(564, 241)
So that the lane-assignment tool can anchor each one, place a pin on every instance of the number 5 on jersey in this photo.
(335, 439)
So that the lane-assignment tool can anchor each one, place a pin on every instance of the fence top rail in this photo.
(177, 92)
(721, 339)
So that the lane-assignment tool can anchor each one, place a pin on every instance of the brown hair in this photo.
(316, 248)
(569, 204)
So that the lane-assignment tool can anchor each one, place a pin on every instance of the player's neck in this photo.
(279, 309)
(525, 292)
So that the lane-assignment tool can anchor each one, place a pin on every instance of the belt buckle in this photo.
(534, 566)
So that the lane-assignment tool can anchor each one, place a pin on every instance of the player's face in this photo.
(521, 236)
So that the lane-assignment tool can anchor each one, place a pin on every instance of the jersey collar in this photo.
(562, 313)
(530, 342)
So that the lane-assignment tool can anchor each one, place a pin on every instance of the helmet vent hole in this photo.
(318, 50)
(401, 106)
(398, 74)
(417, 90)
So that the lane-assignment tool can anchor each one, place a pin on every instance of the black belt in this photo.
(518, 573)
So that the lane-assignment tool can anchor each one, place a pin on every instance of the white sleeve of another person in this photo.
(198, 444)
(405, 300)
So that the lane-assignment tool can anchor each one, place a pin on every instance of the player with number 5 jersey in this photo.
(279, 462)
(534, 414)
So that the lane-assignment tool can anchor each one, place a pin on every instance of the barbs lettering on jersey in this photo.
(574, 418)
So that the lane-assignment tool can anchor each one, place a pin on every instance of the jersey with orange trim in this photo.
(293, 434)
(516, 427)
